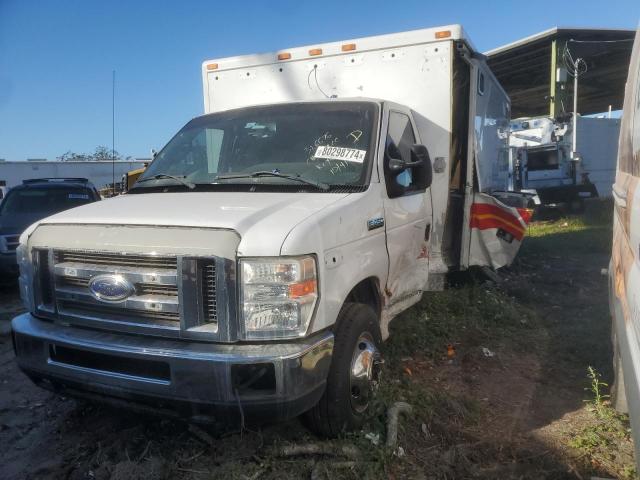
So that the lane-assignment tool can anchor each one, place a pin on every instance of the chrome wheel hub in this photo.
(364, 372)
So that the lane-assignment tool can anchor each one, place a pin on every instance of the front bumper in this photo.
(194, 379)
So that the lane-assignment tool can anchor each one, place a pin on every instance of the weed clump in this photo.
(605, 430)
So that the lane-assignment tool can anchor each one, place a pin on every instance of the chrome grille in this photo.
(12, 242)
(175, 296)
(141, 288)
(153, 303)
(209, 293)
(116, 259)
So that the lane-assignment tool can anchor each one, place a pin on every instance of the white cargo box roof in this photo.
(377, 42)
(408, 68)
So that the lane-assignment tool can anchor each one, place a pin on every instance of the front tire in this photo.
(353, 374)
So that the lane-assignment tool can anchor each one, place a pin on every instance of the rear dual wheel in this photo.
(353, 375)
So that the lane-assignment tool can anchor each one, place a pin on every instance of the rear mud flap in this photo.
(497, 231)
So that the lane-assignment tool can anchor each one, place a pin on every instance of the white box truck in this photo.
(258, 261)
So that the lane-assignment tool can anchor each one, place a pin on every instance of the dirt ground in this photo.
(496, 374)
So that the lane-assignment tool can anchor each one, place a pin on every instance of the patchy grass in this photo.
(606, 436)
(478, 310)
(590, 232)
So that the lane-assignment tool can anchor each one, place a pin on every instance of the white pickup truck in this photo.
(258, 261)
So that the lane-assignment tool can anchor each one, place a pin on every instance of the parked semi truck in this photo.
(258, 261)
(542, 162)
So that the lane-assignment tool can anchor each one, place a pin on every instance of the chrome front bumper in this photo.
(280, 380)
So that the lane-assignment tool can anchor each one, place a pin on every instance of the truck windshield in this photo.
(322, 144)
(45, 201)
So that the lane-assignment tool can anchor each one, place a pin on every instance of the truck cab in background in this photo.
(131, 177)
(261, 256)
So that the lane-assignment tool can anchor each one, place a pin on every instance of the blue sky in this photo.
(56, 57)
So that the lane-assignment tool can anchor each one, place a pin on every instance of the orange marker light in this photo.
(284, 56)
(315, 51)
(348, 47)
(212, 66)
(443, 34)
(301, 289)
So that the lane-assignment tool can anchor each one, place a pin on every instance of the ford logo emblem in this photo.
(111, 288)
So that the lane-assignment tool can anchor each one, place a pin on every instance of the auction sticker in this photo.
(340, 153)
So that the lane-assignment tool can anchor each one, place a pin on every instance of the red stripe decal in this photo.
(487, 223)
(486, 216)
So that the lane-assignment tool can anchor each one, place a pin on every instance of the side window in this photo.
(400, 139)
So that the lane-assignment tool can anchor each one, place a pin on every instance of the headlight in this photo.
(278, 296)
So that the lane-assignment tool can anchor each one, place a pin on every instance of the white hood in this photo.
(263, 220)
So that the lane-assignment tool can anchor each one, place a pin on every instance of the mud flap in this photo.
(497, 231)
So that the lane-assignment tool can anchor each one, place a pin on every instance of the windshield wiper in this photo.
(297, 178)
(159, 176)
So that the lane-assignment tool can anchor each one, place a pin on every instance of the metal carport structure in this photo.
(531, 70)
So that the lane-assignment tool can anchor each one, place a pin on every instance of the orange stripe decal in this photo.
(485, 216)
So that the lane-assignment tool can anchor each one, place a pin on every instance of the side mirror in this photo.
(395, 163)
(421, 164)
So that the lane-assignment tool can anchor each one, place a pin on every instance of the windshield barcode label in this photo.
(340, 153)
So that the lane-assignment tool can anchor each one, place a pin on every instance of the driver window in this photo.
(400, 138)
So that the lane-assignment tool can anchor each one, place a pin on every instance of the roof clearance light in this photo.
(212, 66)
(443, 34)
(348, 47)
(315, 51)
(284, 56)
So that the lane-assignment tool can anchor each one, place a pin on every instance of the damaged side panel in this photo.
(497, 231)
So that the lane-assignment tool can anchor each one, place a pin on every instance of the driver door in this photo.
(408, 214)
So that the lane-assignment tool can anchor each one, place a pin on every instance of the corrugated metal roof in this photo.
(524, 68)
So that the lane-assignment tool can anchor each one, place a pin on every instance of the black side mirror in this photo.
(421, 164)
(395, 162)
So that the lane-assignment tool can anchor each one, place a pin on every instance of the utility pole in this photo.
(574, 140)
(113, 133)
(575, 68)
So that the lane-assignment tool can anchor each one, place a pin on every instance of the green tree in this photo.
(103, 153)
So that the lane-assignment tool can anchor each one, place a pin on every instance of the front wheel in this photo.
(353, 375)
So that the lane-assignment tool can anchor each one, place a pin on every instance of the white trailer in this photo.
(98, 173)
(261, 256)
(542, 161)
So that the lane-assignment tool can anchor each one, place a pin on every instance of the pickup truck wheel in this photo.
(353, 375)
